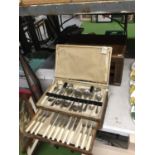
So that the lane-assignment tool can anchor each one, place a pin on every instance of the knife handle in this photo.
(46, 131)
(83, 141)
(60, 135)
(70, 137)
(55, 133)
(33, 129)
(36, 132)
(78, 140)
(51, 132)
(65, 136)
(29, 127)
(88, 144)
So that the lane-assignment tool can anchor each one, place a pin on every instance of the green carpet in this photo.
(101, 28)
(47, 149)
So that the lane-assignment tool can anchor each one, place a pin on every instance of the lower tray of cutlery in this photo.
(75, 133)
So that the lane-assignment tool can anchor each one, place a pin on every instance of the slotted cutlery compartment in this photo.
(75, 98)
(63, 130)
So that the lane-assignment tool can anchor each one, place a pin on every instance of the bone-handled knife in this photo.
(79, 136)
(85, 137)
(66, 124)
(46, 131)
(59, 125)
(72, 130)
(32, 123)
(42, 123)
(53, 116)
(89, 143)
(67, 129)
(89, 139)
(37, 122)
(83, 141)
(53, 127)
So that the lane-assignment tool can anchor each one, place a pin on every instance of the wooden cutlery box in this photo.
(73, 107)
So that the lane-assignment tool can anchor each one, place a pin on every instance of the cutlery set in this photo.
(61, 128)
(72, 109)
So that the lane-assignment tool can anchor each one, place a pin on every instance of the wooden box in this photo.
(116, 70)
(73, 107)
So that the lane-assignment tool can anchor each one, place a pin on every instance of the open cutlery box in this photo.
(73, 107)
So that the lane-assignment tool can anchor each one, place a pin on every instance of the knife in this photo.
(53, 126)
(42, 123)
(72, 131)
(33, 122)
(41, 118)
(67, 129)
(66, 124)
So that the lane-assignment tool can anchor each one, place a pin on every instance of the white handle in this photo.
(70, 138)
(93, 113)
(88, 144)
(78, 140)
(51, 132)
(96, 109)
(55, 133)
(60, 135)
(36, 132)
(85, 129)
(29, 127)
(65, 136)
(34, 127)
(83, 141)
(46, 131)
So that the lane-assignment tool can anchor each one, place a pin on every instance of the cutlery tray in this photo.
(77, 134)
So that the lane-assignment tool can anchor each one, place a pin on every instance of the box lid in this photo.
(86, 63)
